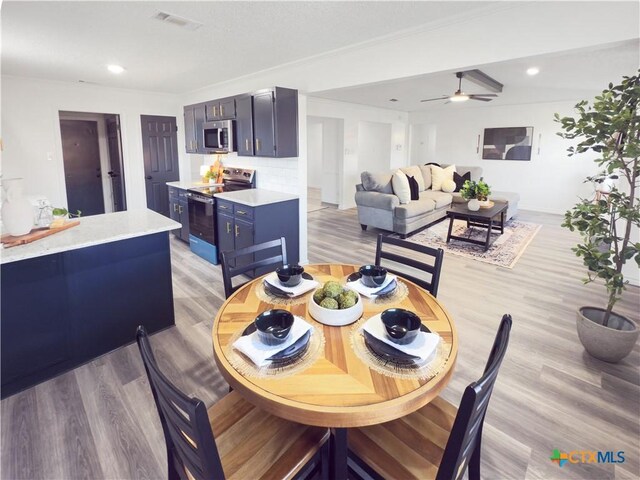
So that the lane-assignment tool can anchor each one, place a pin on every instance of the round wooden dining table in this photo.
(338, 390)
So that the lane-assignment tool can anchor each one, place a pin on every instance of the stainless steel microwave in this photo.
(218, 136)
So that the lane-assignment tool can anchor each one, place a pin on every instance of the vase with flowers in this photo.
(477, 193)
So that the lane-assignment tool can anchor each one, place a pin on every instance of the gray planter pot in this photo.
(611, 343)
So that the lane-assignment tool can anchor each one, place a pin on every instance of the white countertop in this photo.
(186, 184)
(255, 197)
(93, 230)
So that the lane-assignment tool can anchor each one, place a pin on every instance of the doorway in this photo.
(93, 163)
(324, 162)
(160, 151)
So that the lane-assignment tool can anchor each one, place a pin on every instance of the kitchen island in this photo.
(78, 294)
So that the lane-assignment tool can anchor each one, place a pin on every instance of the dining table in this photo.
(338, 389)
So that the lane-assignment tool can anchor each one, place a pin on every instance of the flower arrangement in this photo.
(479, 190)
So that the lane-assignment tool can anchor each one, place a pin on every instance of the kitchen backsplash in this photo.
(278, 174)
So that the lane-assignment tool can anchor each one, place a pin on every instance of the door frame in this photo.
(107, 190)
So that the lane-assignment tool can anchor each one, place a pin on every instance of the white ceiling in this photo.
(72, 41)
(563, 76)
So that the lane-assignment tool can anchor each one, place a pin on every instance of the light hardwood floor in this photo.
(99, 420)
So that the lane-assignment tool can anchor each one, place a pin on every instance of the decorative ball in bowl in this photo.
(335, 305)
(373, 275)
(290, 275)
(402, 326)
(274, 326)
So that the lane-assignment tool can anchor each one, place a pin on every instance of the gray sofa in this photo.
(379, 207)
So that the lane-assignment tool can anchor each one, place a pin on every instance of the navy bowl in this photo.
(402, 325)
(274, 326)
(290, 275)
(373, 275)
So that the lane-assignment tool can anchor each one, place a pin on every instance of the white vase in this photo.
(17, 212)
(473, 205)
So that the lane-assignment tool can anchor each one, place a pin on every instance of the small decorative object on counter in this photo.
(204, 173)
(477, 193)
(17, 212)
(60, 217)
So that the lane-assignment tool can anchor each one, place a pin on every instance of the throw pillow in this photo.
(439, 175)
(449, 186)
(400, 184)
(426, 175)
(376, 182)
(460, 179)
(414, 188)
(414, 171)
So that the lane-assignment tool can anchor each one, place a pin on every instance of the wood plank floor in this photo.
(99, 420)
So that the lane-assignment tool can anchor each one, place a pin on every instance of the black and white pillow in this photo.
(414, 187)
(460, 179)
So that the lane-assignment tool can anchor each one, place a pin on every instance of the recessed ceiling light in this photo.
(117, 69)
(533, 71)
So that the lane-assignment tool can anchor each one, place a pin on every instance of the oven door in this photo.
(202, 218)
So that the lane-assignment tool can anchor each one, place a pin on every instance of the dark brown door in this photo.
(116, 172)
(81, 157)
(160, 151)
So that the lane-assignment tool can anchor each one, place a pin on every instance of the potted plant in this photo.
(60, 216)
(611, 128)
(476, 192)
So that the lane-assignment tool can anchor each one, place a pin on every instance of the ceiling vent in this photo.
(176, 20)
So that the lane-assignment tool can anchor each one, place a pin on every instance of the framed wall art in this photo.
(512, 143)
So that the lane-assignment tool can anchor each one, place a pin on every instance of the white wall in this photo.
(353, 117)
(550, 182)
(315, 152)
(374, 146)
(31, 131)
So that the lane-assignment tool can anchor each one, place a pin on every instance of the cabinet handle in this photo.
(237, 231)
(175, 207)
(246, 144)
(215, 110)
(228, 227)
(222, 110)
(257, 144)
(222, 207)
(241, 212)
(179, 208)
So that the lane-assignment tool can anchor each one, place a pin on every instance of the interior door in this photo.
(160, 151)
(83, 175)
(115, 163)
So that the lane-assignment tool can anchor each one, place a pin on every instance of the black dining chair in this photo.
(253, 444)
(411, 259)
(436, 441)
(243, 260)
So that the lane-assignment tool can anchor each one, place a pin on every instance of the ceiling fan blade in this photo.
(432, 99)
(482, 94)
(480, 98)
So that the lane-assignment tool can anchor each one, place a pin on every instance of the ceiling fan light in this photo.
(459, 97)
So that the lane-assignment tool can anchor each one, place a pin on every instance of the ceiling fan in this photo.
(460, 96)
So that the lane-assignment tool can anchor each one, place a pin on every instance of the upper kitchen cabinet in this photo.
(244, 125)
(275, 123)
(193, 135)
(224, 109)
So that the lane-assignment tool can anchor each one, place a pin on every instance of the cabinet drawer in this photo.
(174, 192)
(224, 207)
(242, 211)
(182, 194)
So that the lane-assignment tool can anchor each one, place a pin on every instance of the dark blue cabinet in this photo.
(241, 226)
(62, 310)
(179, 211)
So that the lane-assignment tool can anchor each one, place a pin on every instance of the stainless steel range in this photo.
(202, 210)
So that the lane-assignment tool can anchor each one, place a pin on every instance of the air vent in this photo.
(176, 20)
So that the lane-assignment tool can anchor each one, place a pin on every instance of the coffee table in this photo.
(483, 218)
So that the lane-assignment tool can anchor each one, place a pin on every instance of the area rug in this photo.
(505, 249)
